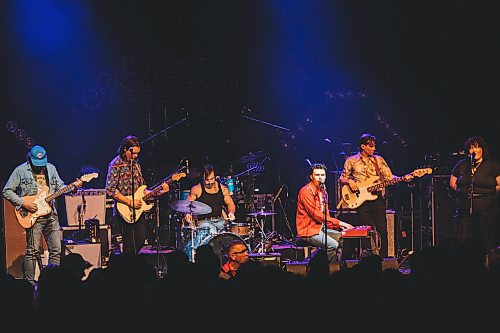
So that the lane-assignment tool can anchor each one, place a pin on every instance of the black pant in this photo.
(481, 224)
(133, 234)
(373, 213)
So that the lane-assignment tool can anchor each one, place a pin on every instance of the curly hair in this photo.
(480, 142)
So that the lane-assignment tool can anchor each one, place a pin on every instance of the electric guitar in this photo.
(128, 213)
(42, 199)
(372, 184)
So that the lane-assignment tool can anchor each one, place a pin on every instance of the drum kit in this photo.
(195, 234)
(253, 232)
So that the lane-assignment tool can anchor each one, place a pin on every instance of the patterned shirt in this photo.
(119, 177)
(359, 168)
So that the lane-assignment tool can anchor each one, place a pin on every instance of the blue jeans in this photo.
(333, 242)
(51, 231)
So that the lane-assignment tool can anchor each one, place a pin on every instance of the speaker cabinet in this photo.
(89, 252)
(443, 200)
(391, 243)
(266, 259)
(15, 242)
(73, 233)
(300, 268)
(91, 203)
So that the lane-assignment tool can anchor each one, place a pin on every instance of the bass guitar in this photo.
(42, 199)
(354, 199)
(128, 213)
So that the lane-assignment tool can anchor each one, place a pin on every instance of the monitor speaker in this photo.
(89, 252)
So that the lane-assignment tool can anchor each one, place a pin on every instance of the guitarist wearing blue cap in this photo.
(32, 188)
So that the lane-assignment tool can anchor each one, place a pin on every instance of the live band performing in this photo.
(251, 166)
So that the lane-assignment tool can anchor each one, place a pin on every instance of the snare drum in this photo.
(240, 229)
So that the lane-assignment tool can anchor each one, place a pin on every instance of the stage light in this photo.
(28, 142)
(11, 126)
(20, 134)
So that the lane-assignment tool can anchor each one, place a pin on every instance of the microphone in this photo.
(187, 166)
(472, 156)
(322, 186)
(131, 150)
(276, 196)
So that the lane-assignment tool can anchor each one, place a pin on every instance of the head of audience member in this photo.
(75, 265)
(206, 261)
(237, 253)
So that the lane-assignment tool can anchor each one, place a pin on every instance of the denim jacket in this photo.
(22, 183)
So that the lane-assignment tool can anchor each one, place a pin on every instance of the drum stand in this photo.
(264, 238)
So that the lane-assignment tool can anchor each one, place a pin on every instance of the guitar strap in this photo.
(374, 161)
(377, 170)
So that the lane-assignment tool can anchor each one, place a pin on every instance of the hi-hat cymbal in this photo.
(193, 207)
(261, 214)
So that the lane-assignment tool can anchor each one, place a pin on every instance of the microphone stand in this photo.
(286, 218)
(323, 190)
(133, 203)
(163, 130)
(471, 191)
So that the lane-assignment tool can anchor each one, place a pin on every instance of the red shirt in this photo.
(226, 268)
(310, 214)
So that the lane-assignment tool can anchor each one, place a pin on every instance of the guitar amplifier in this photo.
(91, 201)
(75, 235)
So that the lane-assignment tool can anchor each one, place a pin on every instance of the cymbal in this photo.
(251, 157)
(261, 214)
(193, 207)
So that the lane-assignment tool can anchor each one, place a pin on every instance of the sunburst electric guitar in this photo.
(42, 201)
(370, 185)
(128, 213)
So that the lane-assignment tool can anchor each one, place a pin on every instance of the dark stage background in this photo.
(276, 77)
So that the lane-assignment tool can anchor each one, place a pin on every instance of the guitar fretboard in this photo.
(57, 193)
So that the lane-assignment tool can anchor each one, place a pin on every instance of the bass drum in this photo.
(220, 242)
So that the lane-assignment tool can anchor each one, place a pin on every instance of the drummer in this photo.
(212, 193)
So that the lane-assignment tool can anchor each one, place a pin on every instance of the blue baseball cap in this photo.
(38, 156)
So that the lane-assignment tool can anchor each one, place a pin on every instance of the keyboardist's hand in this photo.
(345, 225)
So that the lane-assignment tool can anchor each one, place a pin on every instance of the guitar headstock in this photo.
(88, 177)
(421, 172)
(177, 176)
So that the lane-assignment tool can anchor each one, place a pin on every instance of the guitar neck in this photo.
(57, 193)
(155, 191)
(385, 183)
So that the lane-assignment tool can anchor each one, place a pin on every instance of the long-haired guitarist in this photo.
(26, 181)
(360, 168)
(123, 178)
